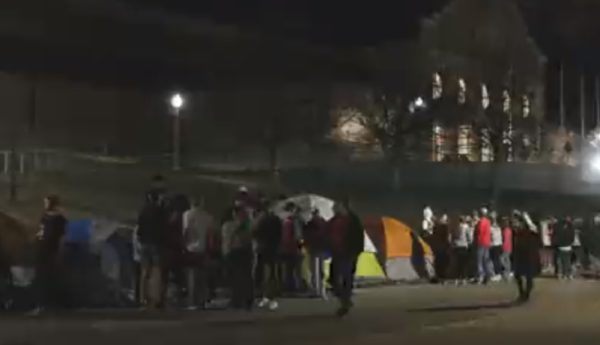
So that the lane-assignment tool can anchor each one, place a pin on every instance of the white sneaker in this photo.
(496, 278)
(35, 312)
(273, 305)
(263, 302)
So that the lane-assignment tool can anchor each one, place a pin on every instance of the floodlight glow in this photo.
(419, 102)
(177, 101)
(595, 163)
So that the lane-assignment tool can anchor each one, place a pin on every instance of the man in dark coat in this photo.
(525, 253)
(563, 238)
(267, 236)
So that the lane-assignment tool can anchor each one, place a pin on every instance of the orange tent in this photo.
(400, 251)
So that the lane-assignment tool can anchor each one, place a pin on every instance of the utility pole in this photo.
(597, 100)
(562, 96)
(582, 106)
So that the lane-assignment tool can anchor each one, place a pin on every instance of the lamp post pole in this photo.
(176, 104)
(176, 141)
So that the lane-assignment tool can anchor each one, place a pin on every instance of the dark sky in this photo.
(565, 29)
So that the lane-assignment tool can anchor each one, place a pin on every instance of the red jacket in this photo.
(289, 242)
(507, 240)
(338, 229)
(484, 232)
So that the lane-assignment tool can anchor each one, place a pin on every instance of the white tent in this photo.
(309, 202)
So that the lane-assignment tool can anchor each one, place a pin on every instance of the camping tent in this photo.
(307, 203)
(367, 267)
(402, 254)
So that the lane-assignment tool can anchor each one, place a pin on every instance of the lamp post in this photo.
(176, 104)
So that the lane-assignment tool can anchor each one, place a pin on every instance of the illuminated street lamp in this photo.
(176, 102)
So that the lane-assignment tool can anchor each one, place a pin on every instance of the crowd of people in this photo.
(485, 247)
(185, 256)
(251, 250)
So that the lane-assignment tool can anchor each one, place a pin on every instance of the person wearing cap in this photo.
(483, 235)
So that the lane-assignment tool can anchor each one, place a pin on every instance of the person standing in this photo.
(496, 248)
(460, 249)
(50, 236)
(240, 261)
(507, 248)
(151, 230)
(315, 234)
(197, 225)
(267, 236)
(441, 248)
(579, 257)
(427, 224)
(564, 236)
(526, 254)
(347, 242)
(484, 240)
(290, 249)
(172, 250)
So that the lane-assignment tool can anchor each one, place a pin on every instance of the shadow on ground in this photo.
(472, 307)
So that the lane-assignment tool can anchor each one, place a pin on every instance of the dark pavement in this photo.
(560, 313)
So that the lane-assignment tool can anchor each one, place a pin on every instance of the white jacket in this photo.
(196, 225)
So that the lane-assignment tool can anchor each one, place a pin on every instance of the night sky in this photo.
(567, 30)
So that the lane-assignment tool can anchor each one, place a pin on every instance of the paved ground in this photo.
(561, 313)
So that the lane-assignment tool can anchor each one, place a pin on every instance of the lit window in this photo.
(437, 87)
(462, 91)
(487, 151)
(464, 140)
(438, 143)
(506, 101)
(485, 97)
(526, 106)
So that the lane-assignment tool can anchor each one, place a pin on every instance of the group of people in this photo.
(484, 247)
(253, 251)
(256, 250)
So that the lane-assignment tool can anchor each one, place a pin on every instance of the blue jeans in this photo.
(484, 264)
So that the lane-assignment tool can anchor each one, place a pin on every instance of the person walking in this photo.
(346, 243)
(526, 254)
(197, 224)
(267, 236)
(50, 237)
(483, 234)
(315, 234)
(564, 236)
(460, 250)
